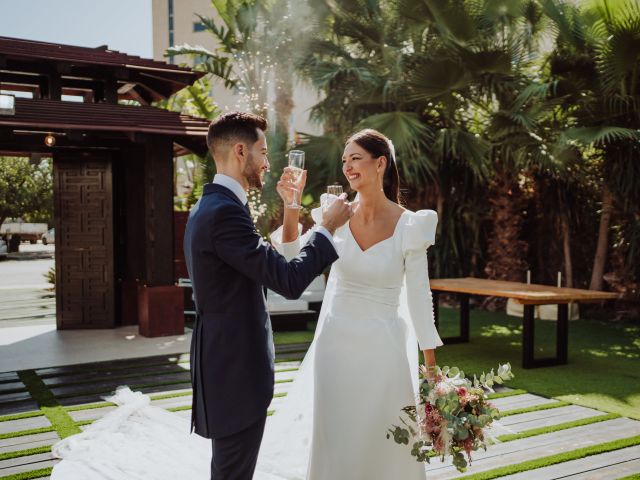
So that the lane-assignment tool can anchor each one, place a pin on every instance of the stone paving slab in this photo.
(545, 418)
(11, 387)
(91, 414)
(26, 464)
(14, 397)
(89, 377)
(82, 399)
(22, 406)
(103, 383)
(169, 391)
(24, 424)
(131, 362)
(28, 441)
(604, 466)
(525, 400)
(518, 451)
(8, 377)
(173, 402)
(99, 397)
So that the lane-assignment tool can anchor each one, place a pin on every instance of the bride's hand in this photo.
(286, 186)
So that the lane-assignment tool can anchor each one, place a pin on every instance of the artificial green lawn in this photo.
(604, 357)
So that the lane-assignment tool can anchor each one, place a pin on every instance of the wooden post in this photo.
(464, 317)
(562, 334)
(55, 87)
(158, 210)
(111, 90)
(528, 337)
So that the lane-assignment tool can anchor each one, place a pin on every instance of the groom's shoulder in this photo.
(218, 205)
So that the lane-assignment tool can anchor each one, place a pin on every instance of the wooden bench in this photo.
(527, 294)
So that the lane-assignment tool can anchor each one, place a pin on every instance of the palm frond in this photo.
(599, 135)
(225, 36)
(431, 79)
(323, 154)
(407, 131)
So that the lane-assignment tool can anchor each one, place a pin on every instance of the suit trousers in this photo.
(234, 457)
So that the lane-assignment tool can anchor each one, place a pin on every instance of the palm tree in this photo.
(596, 63)
(360, 61)
(482, 53)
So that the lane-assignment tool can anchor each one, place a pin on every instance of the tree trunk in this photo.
(600, 259)
(506, 251)
(566, 250)
(284, 103)
(440, 211)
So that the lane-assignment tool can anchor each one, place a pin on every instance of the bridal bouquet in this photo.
(451, 415)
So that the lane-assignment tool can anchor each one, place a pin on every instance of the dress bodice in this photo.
(375, 274)
(378, 274)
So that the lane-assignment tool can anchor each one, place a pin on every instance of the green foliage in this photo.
(50, 276)
(26, 190)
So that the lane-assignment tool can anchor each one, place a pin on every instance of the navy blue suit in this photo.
(232, 352)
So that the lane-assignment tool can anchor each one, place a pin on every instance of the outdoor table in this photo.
(528, 295)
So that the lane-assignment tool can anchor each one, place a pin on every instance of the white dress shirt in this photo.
(233, 185)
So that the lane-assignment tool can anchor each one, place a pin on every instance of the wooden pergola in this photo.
(113, 175)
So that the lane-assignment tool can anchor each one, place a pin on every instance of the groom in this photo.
(232, 352)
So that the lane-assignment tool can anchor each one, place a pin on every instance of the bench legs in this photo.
(562, 339)
(464, 318)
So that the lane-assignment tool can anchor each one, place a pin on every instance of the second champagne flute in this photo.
(335, 190)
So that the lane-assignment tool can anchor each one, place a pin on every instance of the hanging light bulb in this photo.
(49, 140)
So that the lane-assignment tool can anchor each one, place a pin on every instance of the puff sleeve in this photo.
(418, 235)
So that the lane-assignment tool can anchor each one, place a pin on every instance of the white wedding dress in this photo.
(360, 371)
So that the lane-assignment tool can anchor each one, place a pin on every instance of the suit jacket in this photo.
(232, 352)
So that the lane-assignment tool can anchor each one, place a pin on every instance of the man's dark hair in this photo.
(235, 127)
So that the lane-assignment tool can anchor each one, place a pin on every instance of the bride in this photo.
(358, 374)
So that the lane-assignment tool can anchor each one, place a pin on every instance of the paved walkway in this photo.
(536, 426)
(33, 345)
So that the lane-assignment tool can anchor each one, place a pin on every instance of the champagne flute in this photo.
(335, 190)
(296, 167)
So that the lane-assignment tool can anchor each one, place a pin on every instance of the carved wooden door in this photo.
(83, 205)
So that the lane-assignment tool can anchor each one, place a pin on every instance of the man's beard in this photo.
(253, 174)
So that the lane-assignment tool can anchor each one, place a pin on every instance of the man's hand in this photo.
(286, 186)
(337, 214)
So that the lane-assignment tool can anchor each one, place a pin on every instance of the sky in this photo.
(123, 25)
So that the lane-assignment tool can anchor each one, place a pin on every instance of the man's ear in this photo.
(239, 150)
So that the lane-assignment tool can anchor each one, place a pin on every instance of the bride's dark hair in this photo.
(377, 145)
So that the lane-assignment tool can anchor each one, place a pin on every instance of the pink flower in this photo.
(467, 444)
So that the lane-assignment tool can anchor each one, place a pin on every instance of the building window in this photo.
(198, 27)
(170, 2)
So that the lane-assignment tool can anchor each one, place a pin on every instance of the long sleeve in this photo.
(291, 249)
(238, 243)
(419, 234)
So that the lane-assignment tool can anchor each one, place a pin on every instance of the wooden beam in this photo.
(111, 90)
(55, 86)
(141, 95)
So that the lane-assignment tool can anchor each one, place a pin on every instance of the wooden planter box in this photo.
(160, 310)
